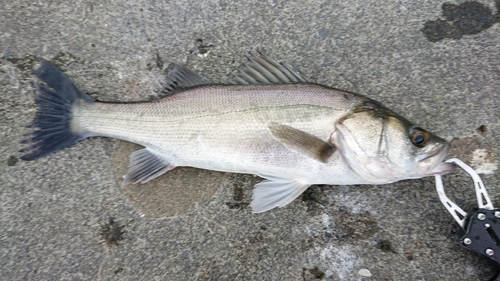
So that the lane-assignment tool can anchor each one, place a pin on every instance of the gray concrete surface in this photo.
(54, 210)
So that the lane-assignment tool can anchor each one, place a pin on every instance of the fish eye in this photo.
(418, 137)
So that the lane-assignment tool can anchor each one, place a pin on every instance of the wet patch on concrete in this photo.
(482, 130)
(200, 48)
(179, 191)
(237, 205)
(354, 227)
(26, 63)
(254, 247)
(484, 161)
(112, 232)
(238, 195)
(338, 262)
(238, 192)
(309, 274)
(468, 18)
(63, 58)
(208, 270)
(409, 250)
(119, 270)
(314, 198)
(12, 160)
(476, 152)
(242, 186)
(159, 61)
(385, 246)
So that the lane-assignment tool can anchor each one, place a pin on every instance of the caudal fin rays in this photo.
(52, 123)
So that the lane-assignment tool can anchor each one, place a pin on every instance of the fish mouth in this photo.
(434, 161)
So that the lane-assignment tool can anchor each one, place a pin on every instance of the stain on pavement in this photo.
(465, 19)
(179, 191)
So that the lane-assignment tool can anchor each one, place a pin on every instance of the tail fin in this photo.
(52, 124)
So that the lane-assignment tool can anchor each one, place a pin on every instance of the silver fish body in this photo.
(226, 128)
(294, 135)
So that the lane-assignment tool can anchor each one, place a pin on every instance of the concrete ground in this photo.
(65, 217)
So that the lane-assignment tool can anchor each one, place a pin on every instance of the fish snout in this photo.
(433, 161)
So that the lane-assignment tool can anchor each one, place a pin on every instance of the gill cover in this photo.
(383, 147)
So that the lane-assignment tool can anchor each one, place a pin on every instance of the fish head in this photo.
(382, 147)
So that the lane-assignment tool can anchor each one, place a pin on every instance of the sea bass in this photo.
(271, 121)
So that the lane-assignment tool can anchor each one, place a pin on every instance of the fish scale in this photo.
(184, 133)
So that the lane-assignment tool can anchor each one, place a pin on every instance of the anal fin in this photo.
(145, 166)
(275, 192)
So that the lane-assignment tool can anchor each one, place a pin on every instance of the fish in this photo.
(270, 120)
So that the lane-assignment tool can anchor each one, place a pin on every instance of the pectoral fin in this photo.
(275, 192)
(145, 166)
(302, 142)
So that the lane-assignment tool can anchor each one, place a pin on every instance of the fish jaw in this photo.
(434, 161)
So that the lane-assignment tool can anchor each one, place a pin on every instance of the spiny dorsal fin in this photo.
(302, 142)
(260, 69)
(178, 76)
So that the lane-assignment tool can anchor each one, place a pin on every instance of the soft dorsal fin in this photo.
(302, 142)
(260, 69)
(178, 76)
